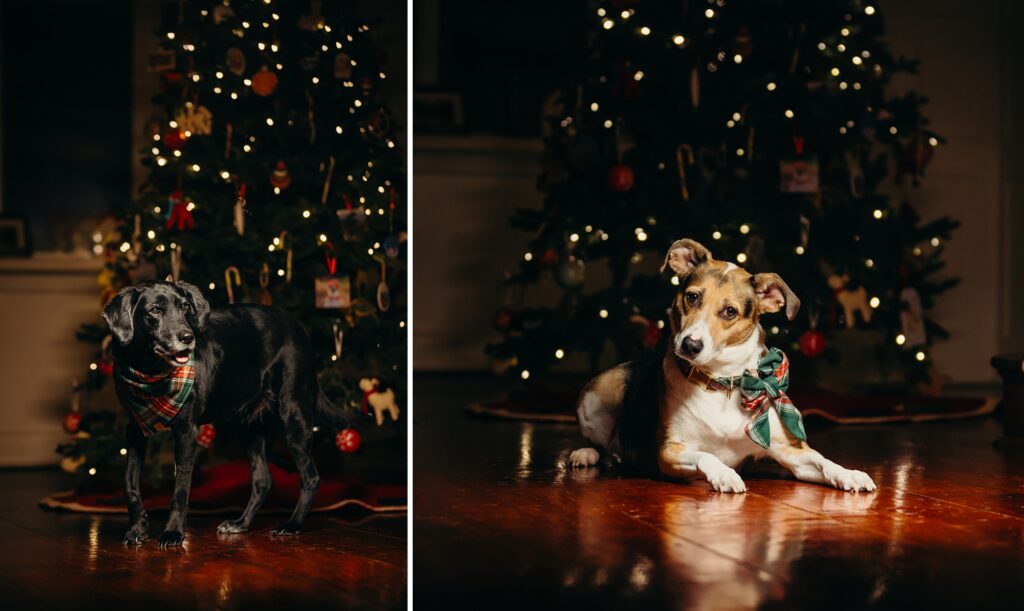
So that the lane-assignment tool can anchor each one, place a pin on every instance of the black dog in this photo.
(251, 364)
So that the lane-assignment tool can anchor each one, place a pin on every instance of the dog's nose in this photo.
(186, 337)
(692, 346)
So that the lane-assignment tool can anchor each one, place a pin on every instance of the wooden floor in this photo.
(74, 561)
(498, 524)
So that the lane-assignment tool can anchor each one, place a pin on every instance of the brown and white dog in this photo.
(697, 430)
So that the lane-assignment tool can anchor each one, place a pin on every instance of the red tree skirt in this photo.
(225, 489)
(558, 406)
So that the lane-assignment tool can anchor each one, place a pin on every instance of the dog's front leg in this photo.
(675, 460)
(135, 443)
(184, 459)
(810, 466)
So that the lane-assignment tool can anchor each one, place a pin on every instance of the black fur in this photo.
(253, 364)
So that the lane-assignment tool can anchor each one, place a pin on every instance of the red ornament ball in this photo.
(549, 258)
(620, 178)
(812, 343)
(348, 440)
(264, 82)
(72, 422)
(174, 139)
(503, 319)
(106, 367)
(207, 433)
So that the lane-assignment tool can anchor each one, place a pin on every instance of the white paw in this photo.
(726, 480)
(583, 457)
(850, 480)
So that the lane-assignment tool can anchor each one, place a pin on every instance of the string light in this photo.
(603, 313)
(150, 234)
(306, 214)
(742, 257)
(935, 241)
(901, 339)
(608, 24)
(528, 256)
(645, 31)
(875, 302)
(877, 214)
(869, 263)
(770, 86)
(919, 356)
(93, 366)
(123, 451)
(716, 235)
(869, 10)
(788, 113)
(737, 58)
(744, 229)
(525, 374)
(675, 280)
(709, 13)
(559, 354)
(933, 141)
(840, 47)
(799, 250)
(679, 40)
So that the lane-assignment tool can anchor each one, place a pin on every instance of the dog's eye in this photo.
(186, 306)
(729, 313)
(156, 311)
(692, 299)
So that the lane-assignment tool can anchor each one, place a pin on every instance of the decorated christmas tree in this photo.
(769, 131)
(275, 178)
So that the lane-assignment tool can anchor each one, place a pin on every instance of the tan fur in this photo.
(720, 287)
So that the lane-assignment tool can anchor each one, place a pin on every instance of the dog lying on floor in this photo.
(720, 391)
(178, 365)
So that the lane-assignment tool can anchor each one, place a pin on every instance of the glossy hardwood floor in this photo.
(75, 561)
(499, 524)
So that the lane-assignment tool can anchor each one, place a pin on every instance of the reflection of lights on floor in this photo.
(525, 446)
(94, 544)
(640, 576)
(224, 590)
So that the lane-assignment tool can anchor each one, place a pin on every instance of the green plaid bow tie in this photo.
(766, 389)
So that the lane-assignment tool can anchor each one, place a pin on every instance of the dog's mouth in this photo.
(175, 358)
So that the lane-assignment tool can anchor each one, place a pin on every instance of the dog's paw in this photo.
(286, 529)
(850, 480)
(135, 535)
(583, 457)
(726, 480)
(171, 538)
(232, 527)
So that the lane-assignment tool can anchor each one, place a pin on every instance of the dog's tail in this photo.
(329, 415)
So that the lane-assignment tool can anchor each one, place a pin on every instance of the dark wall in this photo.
(66, 112)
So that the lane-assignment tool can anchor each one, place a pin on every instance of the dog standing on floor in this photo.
(711, 415)
(178, 365)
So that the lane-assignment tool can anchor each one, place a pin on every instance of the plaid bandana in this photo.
(156, 400)
(765, 390)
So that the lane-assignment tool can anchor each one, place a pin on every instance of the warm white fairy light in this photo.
(675, 280)
(857, 60)
(638, 75)
(709, 13)
(528, 256)
(608, 24)
(875, 302)
(821, 46)
(919, 356)
(306, 214)
(744, 229)
(742, 257)
(770, 86)
(869, 263)
(176, 154)
(170, 36)
(737, 58)
(716, 235)
(645, 31)
(834, 71)
(869, 10)
(160, 161)
(901, 339)
(679, 40)
(740, 152)
(843, 85)
(150, 234)
(574, 237)
(935, 241)
(123, 451)
(799, 250)
(92, 470)
(845, 31)
(247, 82)
(933, 141)
(788, 113)
(877, 214)
(234, 96)
(559, 354)
(603, 313)
(525, 374)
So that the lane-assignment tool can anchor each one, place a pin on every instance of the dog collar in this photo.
(762, 389)
(154, 400)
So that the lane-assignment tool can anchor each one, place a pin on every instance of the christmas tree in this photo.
(767, 131)
(275, 178)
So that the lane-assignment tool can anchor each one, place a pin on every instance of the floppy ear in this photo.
(199, 303)
(773, 293)
(684, 255)
(119, 313)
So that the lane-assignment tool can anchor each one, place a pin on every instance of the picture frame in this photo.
(15, 239)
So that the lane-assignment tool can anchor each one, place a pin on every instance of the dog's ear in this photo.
(773, 293)
(684, 255)
(199, 303)
(119, 314)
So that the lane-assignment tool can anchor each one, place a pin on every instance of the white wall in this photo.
(466, 187)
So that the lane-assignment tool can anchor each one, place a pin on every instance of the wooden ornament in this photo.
(852, 301)
(382, 402)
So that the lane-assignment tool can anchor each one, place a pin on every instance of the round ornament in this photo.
(207, 433)
(812, 343)
(234, 59)
(264, 82)
(620, 178)
(503, 319)
(174, 139)
(72, 422)
(348, 440)
(280, 177)
(571, 273)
